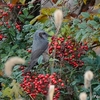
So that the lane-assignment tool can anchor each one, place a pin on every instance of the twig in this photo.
(94, 46)
(90, 92)
(54, 53)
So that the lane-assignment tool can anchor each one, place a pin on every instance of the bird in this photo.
(39, 46)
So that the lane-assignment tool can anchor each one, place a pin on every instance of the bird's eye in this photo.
(43, 33)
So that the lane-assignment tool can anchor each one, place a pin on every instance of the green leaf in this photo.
(15, 46)
(0, 93)
(21, 19)
(84, 37)
(12, 32)
(83, 25)
(97, 88)
(25, 12)
(30, 16)
(78, 34)
(30, 5)
(89, 30)
(76, 21)
(92, 22)
(16, 68)
(75, 82)
(88, 68)
(99, 11)
(23, 16)
(40, 60)
(85, 14)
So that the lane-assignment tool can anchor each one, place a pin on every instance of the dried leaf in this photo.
(1, 73)
(14, 1)
(54, 1)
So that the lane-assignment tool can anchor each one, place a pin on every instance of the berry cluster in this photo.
(18, 27)
(11, 6)
(8, 25)
(3, 13)
(39, 84)
(68, 50)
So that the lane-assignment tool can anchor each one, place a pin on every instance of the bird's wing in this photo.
(35, 55)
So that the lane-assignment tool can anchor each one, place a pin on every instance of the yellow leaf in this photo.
(98, 15)
(41, 18)
(3, 85)
(13, 92)
(7, 93)
(47, 11)
(84, 1)
(22, 1)
(16, 89)
(97, 6)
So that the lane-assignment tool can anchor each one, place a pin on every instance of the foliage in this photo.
(16, 40)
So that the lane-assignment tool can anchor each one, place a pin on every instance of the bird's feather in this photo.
(36, 54)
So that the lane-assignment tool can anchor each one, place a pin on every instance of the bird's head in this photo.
(40, 34)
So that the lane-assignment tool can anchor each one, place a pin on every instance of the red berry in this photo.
(58, 47)
(20, 12)
(5, 14)
(68, 37)
(60, 80)
(10, 6)
(1, 11)
(18, 7)
(29, 51)
(6, 23)
(1, 36)
(21, 67)
(62, 84)
(1, 16)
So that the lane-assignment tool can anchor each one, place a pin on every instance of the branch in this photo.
(96, 45)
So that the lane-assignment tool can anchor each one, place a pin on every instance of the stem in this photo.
(8, 32)
(60, 67)
(17, 14)
(54, 53)
(90, 92)
(7, 28)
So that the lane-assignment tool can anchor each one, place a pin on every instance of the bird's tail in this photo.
(10, 64)
(32, 63)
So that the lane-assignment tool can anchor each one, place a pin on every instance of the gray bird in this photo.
(39, 47)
